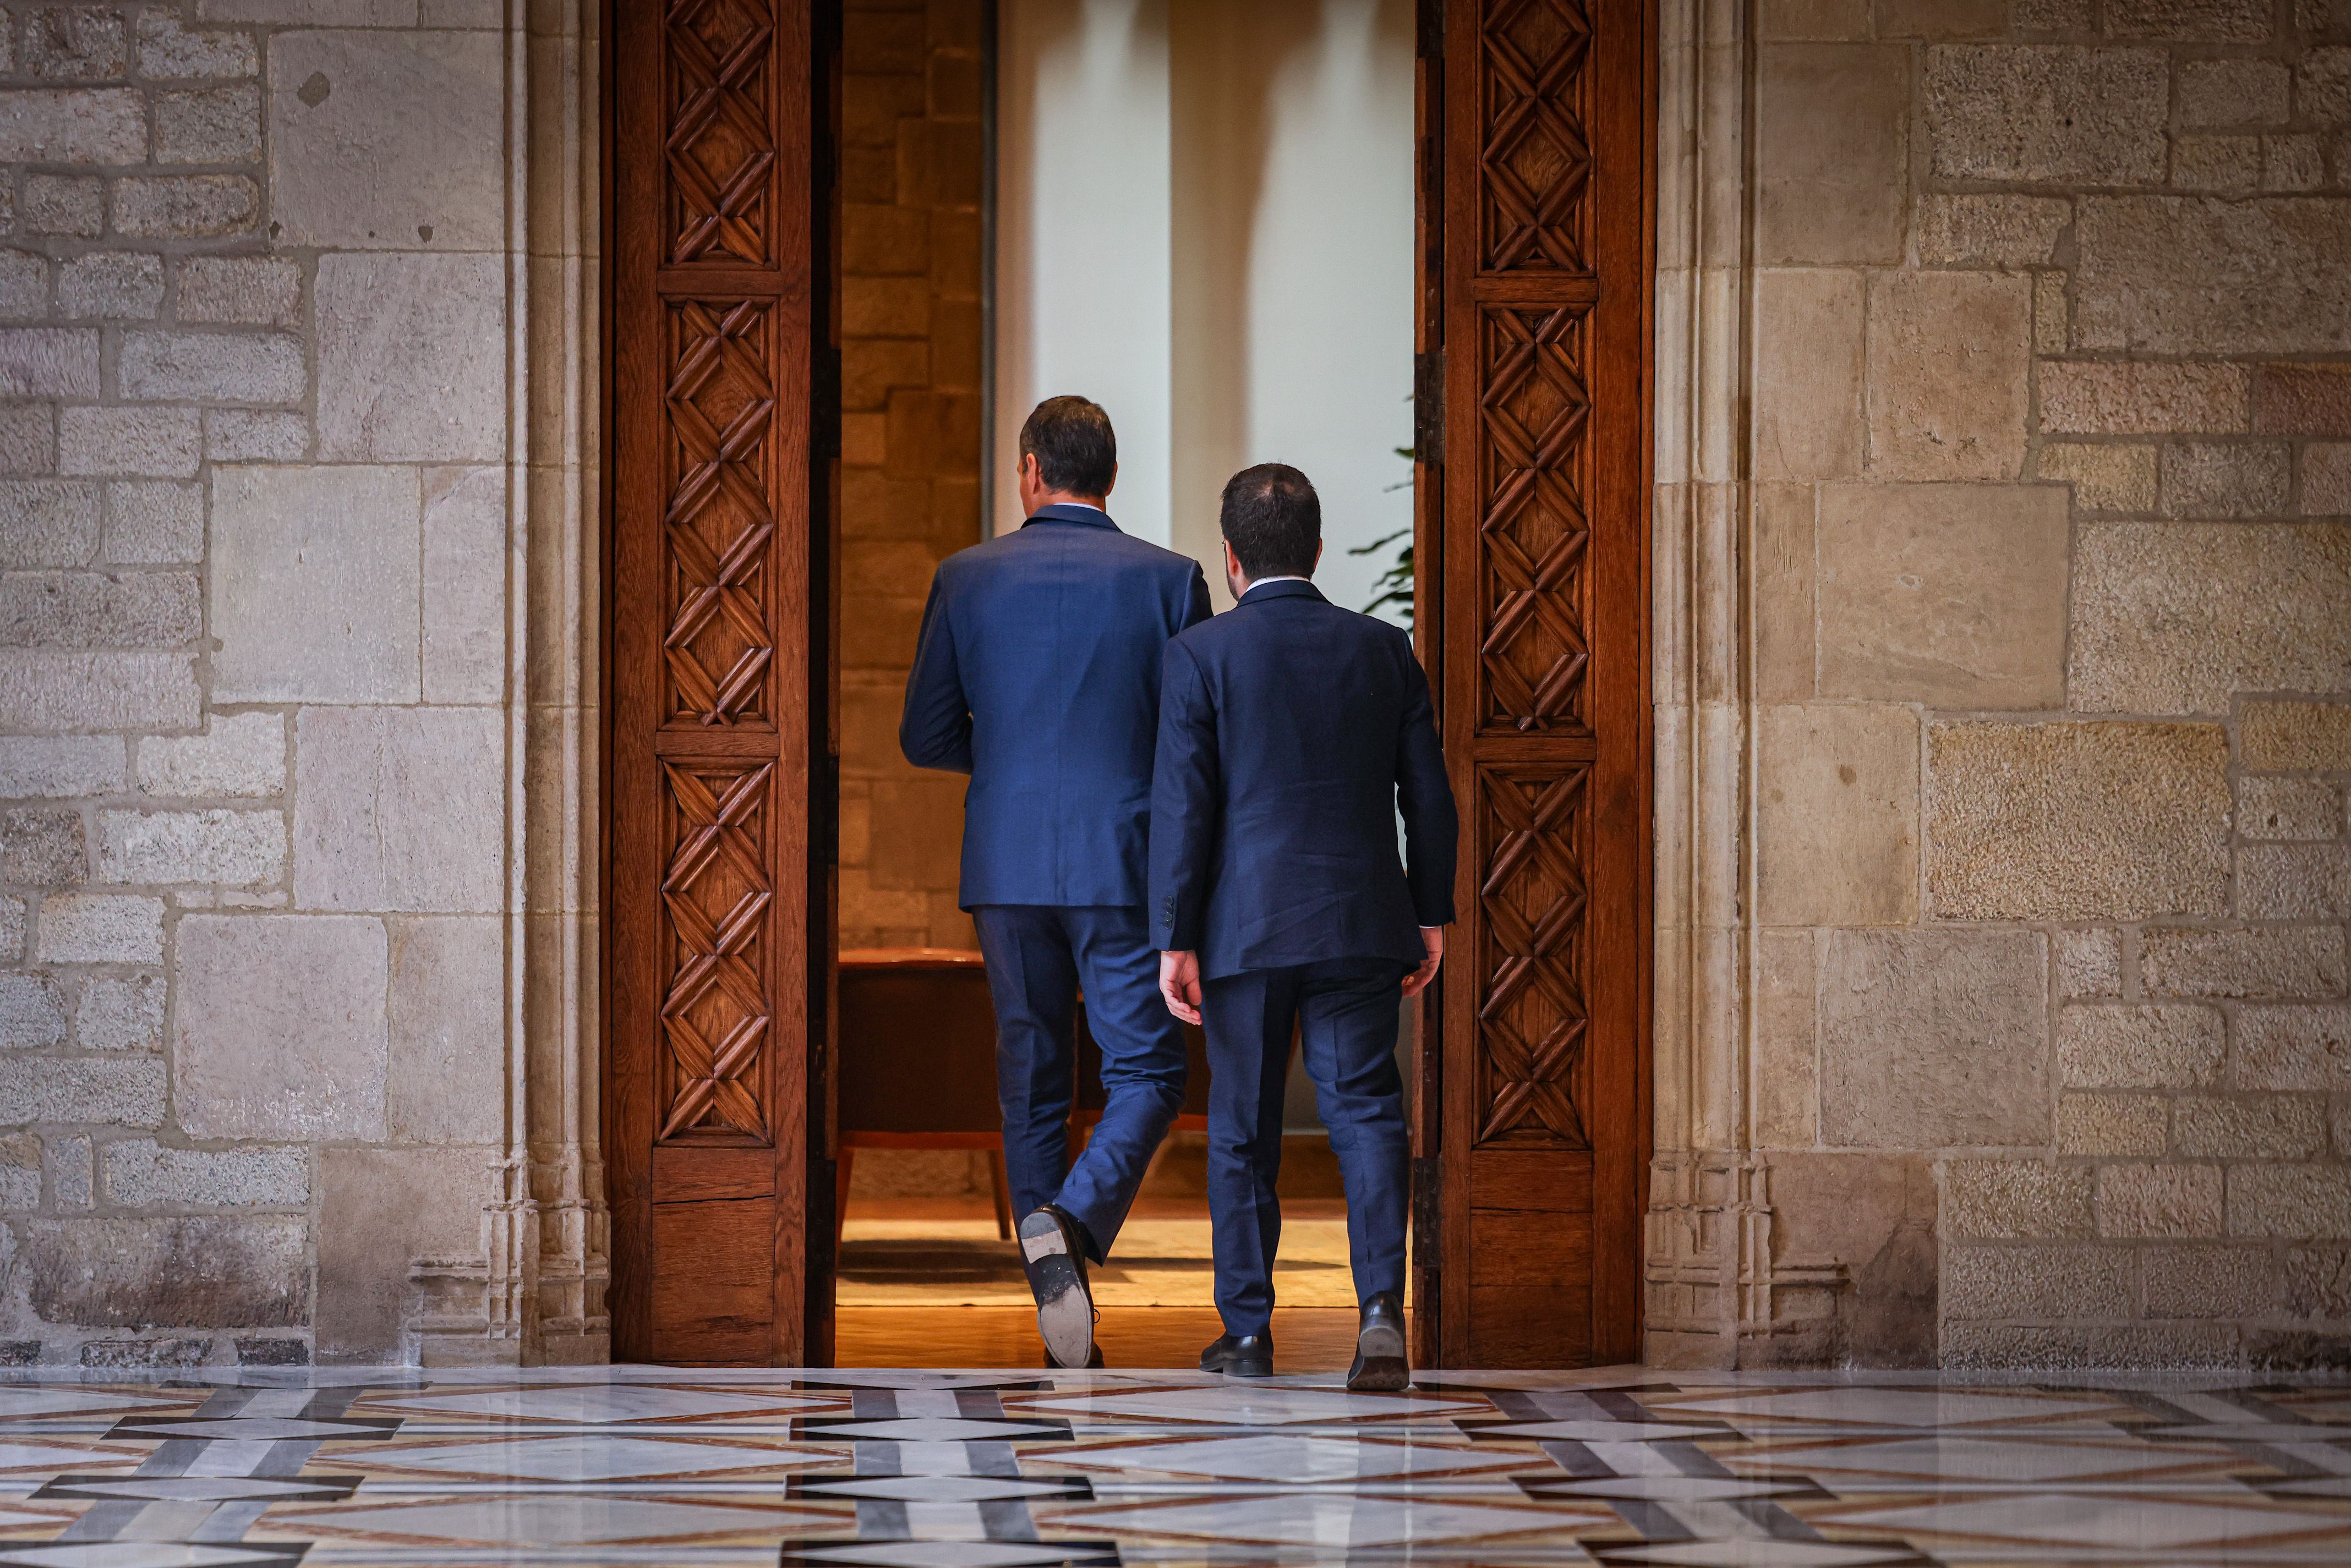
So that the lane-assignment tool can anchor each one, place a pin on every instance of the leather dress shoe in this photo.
(1239, 1356)
(1380, 1365)
(1056, 1263)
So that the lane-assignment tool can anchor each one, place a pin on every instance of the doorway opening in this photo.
(762, 581)
(1201, 216)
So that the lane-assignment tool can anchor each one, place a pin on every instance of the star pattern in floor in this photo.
(276, 1468)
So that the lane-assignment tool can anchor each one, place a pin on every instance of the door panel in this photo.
(709, 698)
(1544, 313)
(713, 1296)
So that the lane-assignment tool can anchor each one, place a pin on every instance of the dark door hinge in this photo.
(1428, 1211)
(824, 398)
(826, 808)
(1428, 408)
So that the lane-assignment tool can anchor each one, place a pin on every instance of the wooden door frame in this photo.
(1439, 1331)
(806, 1336)
(794, 288)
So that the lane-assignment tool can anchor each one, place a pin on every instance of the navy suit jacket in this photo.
(1292, 733)
(1037, 672)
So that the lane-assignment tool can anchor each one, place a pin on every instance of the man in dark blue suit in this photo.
(1037, 672)
(1292, 733)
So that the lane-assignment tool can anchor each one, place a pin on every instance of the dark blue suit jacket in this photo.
(1038, 674)
(1291, 734)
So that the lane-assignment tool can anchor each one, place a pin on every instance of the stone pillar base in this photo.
(533, 1297)
(1791, 1258)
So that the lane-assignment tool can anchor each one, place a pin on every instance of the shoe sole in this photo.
(1065, 1313)
(1242, 1369)
(1380, 1365)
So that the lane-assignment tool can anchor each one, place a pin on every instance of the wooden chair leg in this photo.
(841, 1165)
(1002, 1184)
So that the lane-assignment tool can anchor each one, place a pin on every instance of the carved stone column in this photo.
(1709, 1222)
(535, 1292)
(1721, 1289)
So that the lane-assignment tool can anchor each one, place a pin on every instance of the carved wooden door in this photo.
(1536, 287)
(713, 679)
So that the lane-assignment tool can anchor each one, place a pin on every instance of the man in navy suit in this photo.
(1037, 672)
(1292, 733)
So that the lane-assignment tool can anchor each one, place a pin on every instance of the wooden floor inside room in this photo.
(926, 1280)
(1305, 1339)
(919, 1252)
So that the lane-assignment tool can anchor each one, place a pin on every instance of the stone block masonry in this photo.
(2050, 602)
(911, 489)
(2055, 425)
(257, 319)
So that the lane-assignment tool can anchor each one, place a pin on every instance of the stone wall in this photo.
(911, 250)
(261, 737)
(2048, 579)
(2004, 691)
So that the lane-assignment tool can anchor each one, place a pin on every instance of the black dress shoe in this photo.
(1380, 1365)
(1240, 1356)
(1056, 1261)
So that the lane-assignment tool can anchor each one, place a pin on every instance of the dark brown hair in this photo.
(1076, 452)
(1274, 521)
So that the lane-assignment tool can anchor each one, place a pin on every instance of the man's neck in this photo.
(1062, 498)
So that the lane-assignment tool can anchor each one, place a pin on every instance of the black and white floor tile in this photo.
(1628, 1468)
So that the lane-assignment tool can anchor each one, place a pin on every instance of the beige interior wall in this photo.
(1205, 223)
(1291, 285)
(1083, 238)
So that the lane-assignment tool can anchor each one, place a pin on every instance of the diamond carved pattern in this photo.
(720, 520)
(1535, 411)
(716, 1013)
(1536, 162)
(721, 147)
(1532, 1015)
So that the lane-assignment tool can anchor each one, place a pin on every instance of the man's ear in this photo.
(1318, 555)
(1114, 481)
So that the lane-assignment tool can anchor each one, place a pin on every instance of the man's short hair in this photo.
(1076, 452)
(1273, 520)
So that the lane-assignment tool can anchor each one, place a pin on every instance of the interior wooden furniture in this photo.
(917, 1063)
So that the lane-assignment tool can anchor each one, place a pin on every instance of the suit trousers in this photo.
(1038, 957)
(1345, 1012)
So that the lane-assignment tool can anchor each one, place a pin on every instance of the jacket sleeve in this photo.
(1424, 800)
(1187, 788)
(1197, 609)
(935, 730)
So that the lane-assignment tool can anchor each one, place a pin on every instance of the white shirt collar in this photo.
(1257, 582)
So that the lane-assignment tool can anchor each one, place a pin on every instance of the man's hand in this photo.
(1180, 982)
(1431, 937)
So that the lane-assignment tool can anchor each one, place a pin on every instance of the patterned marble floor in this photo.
(982, 1470)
